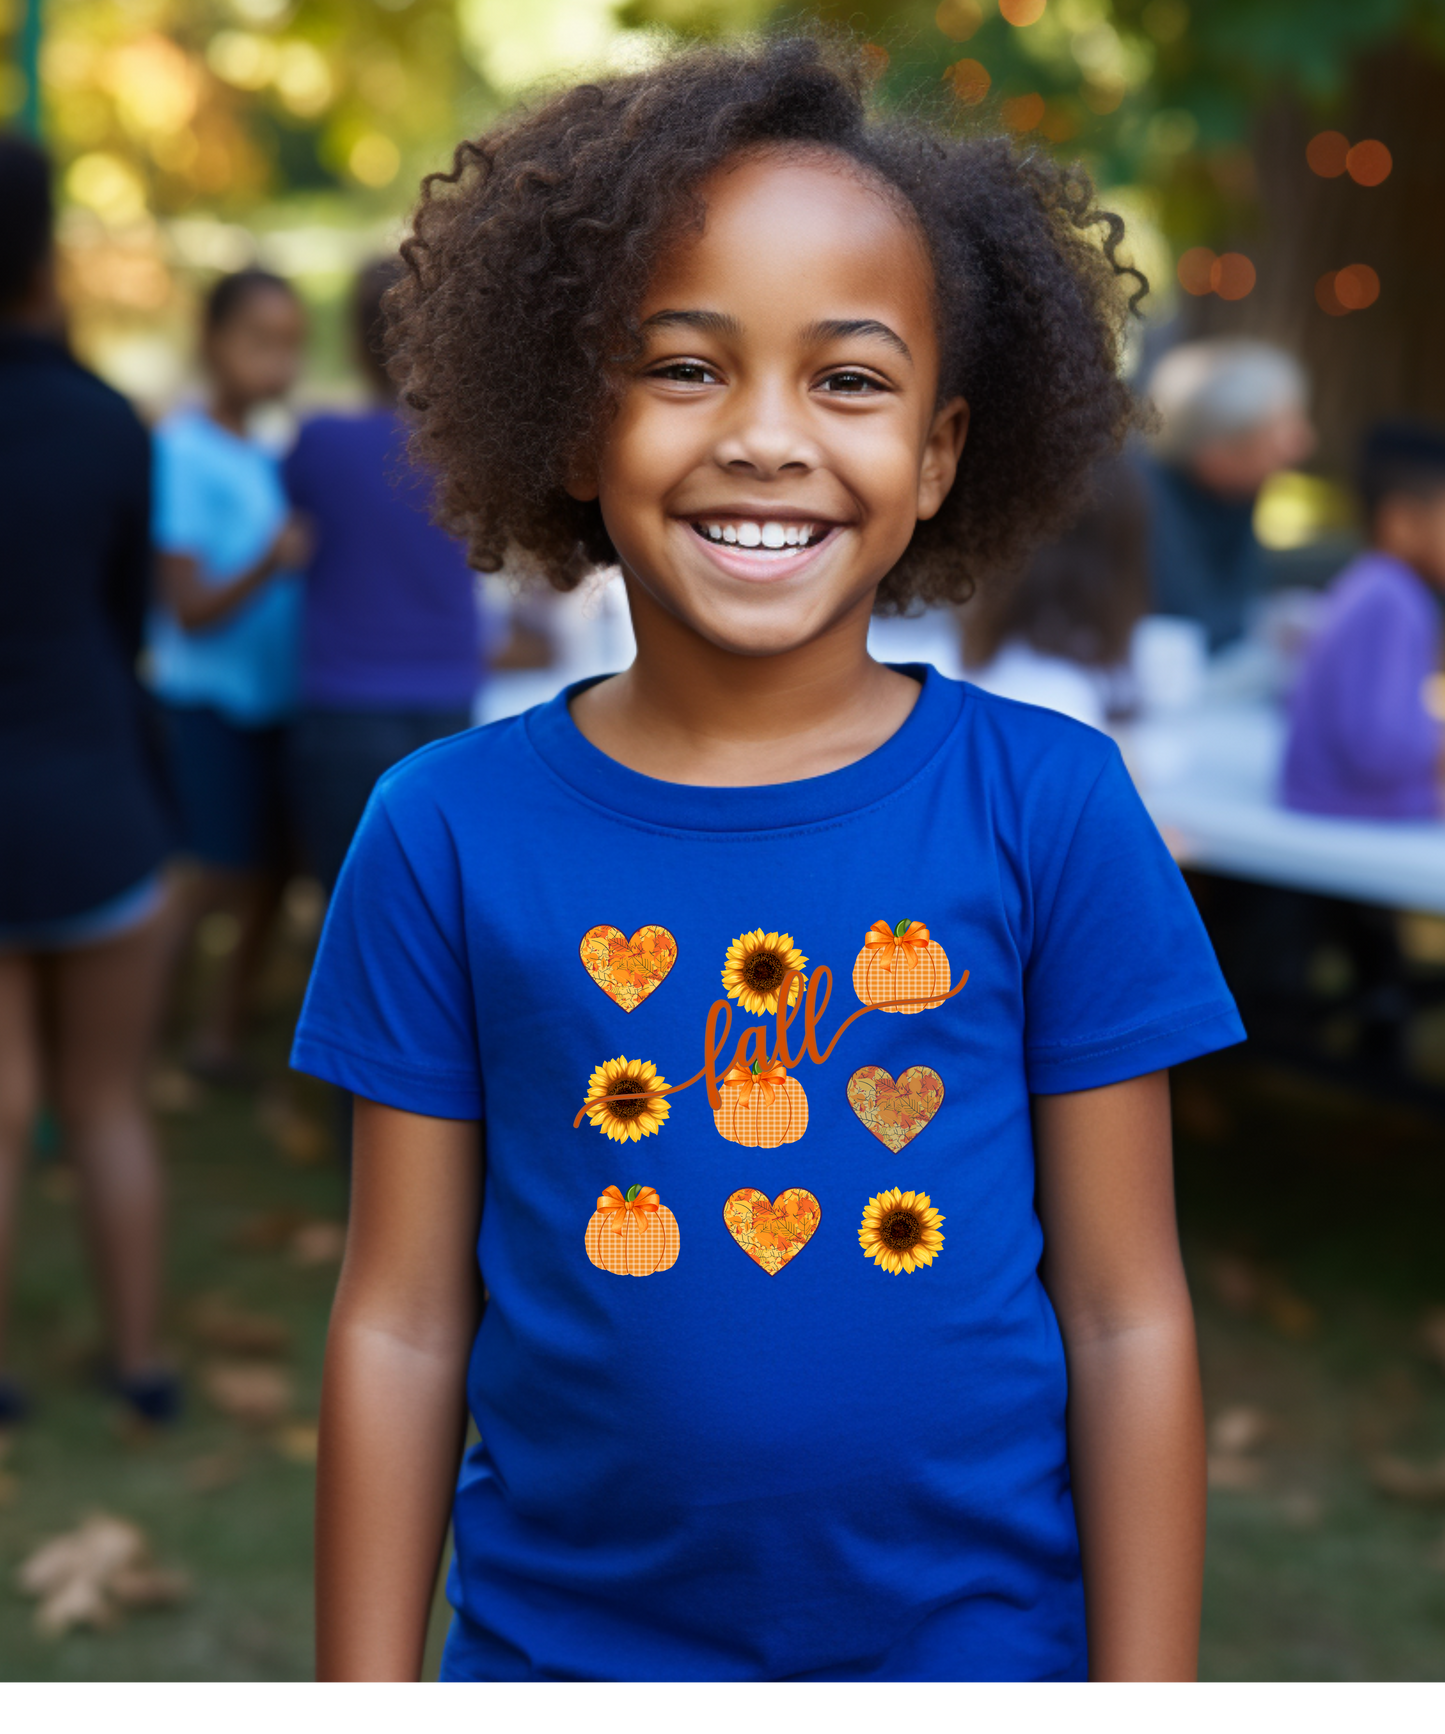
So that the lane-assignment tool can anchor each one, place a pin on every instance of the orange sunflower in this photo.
(900, 1231)
(639, 1110)
(754, 968)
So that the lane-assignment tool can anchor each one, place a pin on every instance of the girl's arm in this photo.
(1136, 1424)
(393, 1402)
(197, 604)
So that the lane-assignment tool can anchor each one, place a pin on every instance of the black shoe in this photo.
(14, 1404)
(153, 1397)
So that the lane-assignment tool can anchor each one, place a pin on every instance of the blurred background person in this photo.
(391, 638)
(224, 639)
(1366, 727)
(83, 833)
(1059, 635)
(1232, 413)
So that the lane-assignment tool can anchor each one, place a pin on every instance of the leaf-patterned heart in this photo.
(771, 1233)
(627, 970)
(895, 1110)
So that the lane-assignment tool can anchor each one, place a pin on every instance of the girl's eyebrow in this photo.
(826, 330)
(716, 324)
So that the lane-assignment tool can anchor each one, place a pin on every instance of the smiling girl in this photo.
(833, 1000)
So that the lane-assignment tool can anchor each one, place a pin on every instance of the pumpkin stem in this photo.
(901, 929)
(632, 1192)
(755, 1068)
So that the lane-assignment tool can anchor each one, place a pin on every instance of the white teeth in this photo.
(770, 534)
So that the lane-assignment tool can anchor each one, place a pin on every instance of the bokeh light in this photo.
(1232, 276)
(1325, 295)
(374, 160)
(1357, 287)
(1023, 113)
(1021, 13)
(1195, 270)
(959, 19)
(970, 81)
(1369, 162)
(1326, 153)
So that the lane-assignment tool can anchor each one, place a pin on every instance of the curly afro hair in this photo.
(528, 258)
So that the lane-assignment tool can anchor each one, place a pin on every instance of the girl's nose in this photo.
(767, 433)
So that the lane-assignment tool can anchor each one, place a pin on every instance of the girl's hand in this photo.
(294, 545)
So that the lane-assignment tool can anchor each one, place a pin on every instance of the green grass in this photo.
(1312, 1227)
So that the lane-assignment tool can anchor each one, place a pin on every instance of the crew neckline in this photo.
(784, 806)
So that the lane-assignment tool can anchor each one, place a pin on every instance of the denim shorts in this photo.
(109, 920)
(228, 781)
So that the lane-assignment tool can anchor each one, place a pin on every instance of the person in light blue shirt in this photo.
(224, 639)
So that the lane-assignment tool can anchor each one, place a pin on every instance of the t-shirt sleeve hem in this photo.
(1133, 1055)
(386, 1082)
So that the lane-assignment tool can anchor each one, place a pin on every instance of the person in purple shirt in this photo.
(391, 644)
(1366, 729)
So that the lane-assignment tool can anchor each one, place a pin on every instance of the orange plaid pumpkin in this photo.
(901, 963)
(761, 1106)
(632, 1233)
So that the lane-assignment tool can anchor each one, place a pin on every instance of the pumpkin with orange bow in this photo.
(761, 1106)
(632, 1233)
(901, 969)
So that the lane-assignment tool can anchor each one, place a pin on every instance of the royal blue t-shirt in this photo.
(789, 1451)
(391, 620)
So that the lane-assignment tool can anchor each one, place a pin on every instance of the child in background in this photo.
(1059, 634)
(223, 642)
(391, 632)
(911, 1291)
(83, 827)
(1367, 723)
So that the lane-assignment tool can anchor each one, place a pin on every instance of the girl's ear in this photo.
(941, 453)
(581, 480)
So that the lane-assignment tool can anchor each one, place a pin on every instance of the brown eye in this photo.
(686, 373)
(850, 384)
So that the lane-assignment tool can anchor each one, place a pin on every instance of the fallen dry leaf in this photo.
(1236, 1283)
(318, 1243)
(268, 1232)
(300, 1138)
(213, 1471)
(1237, 1429)
(85, 1577)
(1290, 1316)
(173, 1091)
(297, 1443)
(254, 1394)
(1402, 1480)
(1234, 1474)
(219, 1324)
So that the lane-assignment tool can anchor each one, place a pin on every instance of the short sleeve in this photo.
(1121, 979)
(296, 470)
(179, 496)
(389, 1012)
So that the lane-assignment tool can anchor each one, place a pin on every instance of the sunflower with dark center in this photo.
(754, 969)
(636, 1108)
(900, 1230)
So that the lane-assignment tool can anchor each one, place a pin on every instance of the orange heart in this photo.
(627, 970)
(771, 1234)
(895, 1110)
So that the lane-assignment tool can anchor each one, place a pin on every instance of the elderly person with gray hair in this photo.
(1231, 413)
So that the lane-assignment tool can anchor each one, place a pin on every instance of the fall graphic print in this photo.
(772, 1233)
(754, 969)
(895, 1110)
(761, 1106)
(901, 964)
(900, 1231)
(627, 970)
(632, 1233)
(622, 1100)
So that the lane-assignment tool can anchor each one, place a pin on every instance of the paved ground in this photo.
(1312, 1222)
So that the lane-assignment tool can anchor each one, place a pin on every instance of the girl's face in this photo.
(255, 355)
(780, 436)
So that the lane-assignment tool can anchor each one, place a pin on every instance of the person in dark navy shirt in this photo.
(85, 828)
